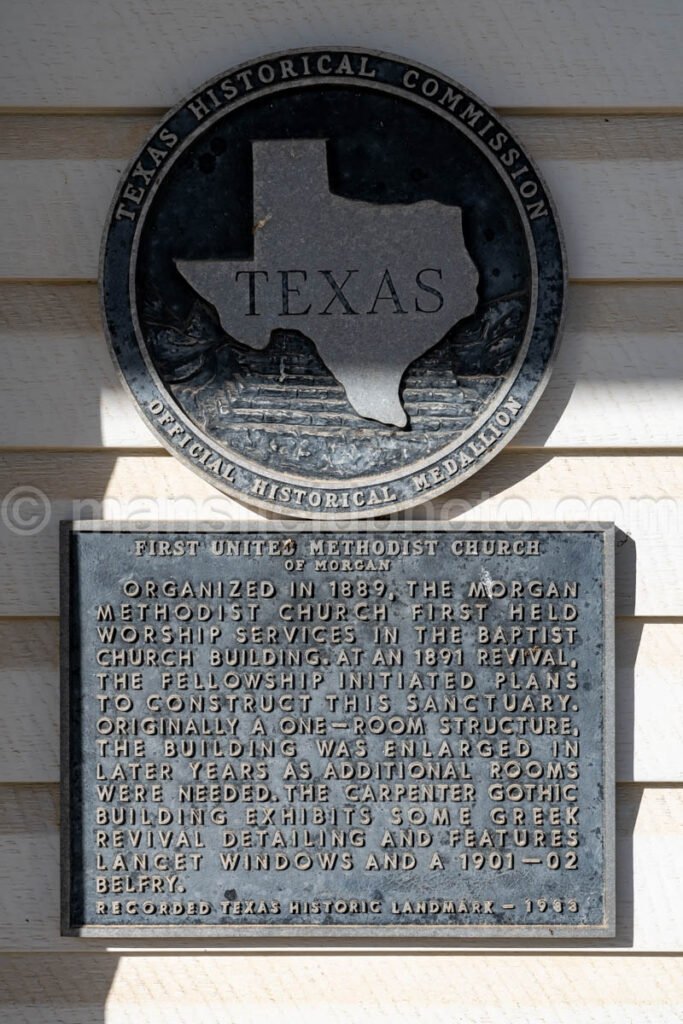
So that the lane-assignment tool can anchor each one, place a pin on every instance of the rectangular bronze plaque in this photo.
(299, 729)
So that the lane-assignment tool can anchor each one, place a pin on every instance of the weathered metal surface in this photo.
(333, 281)
(315, 730)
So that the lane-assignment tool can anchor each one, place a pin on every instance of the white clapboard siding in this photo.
(547, 136)
(620, 217)
(338, 989)
(29, 690)
(642, 494)
(559, 136)
(649, 701)
(108, 53)
(618, 380)
(595, 91)
(649, 879)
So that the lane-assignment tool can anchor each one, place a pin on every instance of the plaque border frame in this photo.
(239, 931)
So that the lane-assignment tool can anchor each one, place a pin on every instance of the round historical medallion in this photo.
(333, 282)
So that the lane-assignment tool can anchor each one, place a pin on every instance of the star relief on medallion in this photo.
(372, 286)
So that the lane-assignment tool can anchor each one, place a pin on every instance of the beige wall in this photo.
(594, 88)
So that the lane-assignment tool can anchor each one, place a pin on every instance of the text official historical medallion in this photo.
(333, 281)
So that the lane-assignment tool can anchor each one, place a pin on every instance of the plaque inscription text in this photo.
(338, 730)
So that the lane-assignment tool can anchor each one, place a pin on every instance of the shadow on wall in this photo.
(628, 636)
(47, 979)
(60, 980)
(46, 988)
